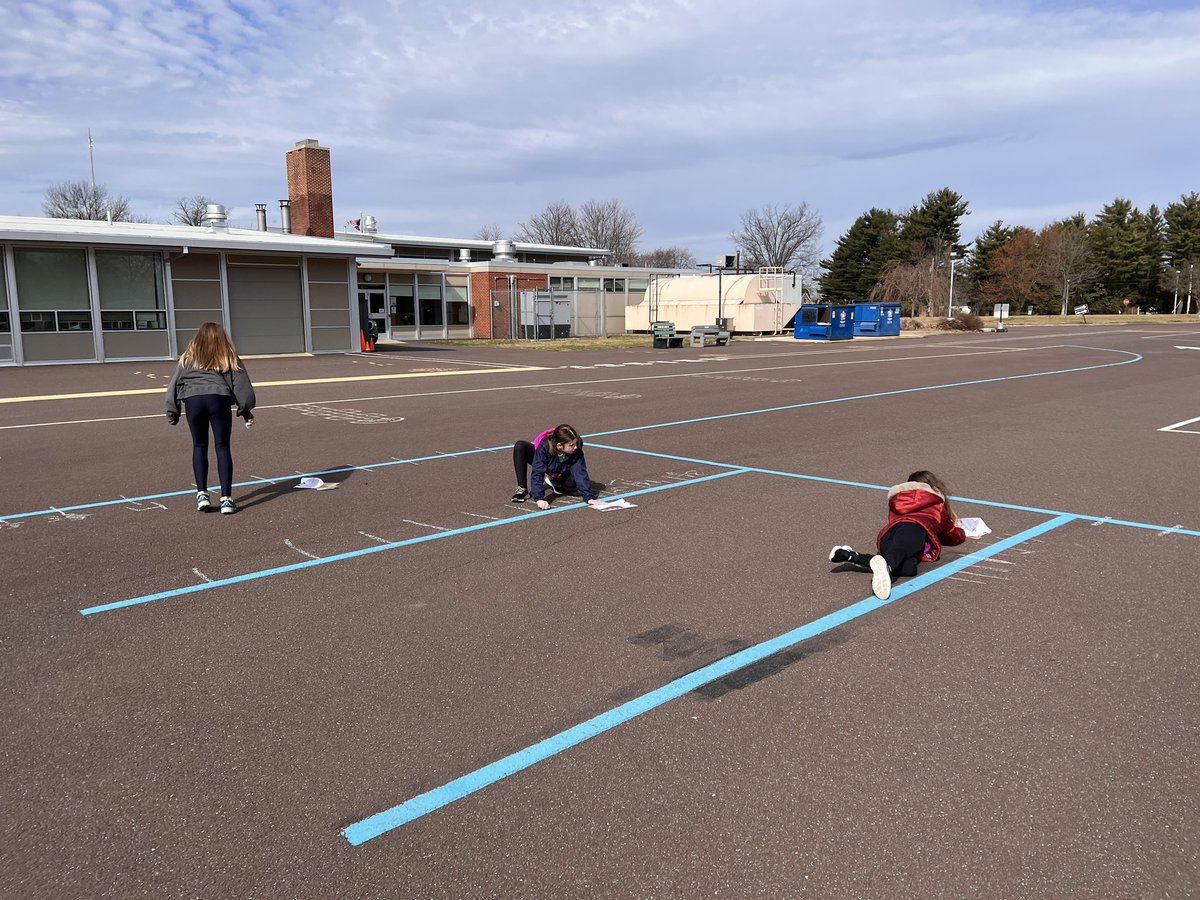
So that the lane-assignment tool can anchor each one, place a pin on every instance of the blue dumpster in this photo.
(879, 319)
(822, 322)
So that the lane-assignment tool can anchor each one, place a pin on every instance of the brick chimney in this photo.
(310, 188)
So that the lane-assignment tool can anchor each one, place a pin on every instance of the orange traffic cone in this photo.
(366, 344)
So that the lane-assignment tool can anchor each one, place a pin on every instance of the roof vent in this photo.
(504, 250)
(464, 255)
(215, 217)
(368, 225)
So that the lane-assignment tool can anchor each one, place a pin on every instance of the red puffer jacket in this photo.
(917, 502)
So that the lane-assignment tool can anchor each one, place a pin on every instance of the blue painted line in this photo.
(277, 480)
(932, 387)
(1147, 526)
(423, 804)
(376, 548)
(752, 412)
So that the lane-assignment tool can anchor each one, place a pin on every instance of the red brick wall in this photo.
(483, 284)
(310, 188)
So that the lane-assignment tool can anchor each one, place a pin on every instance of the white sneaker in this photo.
(841, 554)
(202, 502)
(881, 578)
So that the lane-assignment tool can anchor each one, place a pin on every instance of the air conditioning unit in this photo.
(726, 262)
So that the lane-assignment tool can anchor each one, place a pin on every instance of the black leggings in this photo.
(903, 546)
(215, 410)
(523, 459)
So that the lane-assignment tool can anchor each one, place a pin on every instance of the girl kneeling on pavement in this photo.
(556, 457)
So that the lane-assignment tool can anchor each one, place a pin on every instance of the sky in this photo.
(443, 117)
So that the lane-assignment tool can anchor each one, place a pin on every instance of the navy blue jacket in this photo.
(547, 462)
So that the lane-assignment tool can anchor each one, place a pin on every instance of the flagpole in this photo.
(91, 159)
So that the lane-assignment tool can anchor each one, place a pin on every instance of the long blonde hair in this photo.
(926, 477)
(211, 349)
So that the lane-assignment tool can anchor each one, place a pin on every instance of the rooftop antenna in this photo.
(91, 159)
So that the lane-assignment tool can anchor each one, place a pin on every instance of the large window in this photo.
(613, 285)
(429, 295)
(401, 303)
(458, 310)
(52, 290)
(5, 324)
(132, 297)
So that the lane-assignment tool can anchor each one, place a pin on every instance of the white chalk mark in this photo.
(289, 543)
(424, 525)
(375, 538)
(201, 575)
(481, 516)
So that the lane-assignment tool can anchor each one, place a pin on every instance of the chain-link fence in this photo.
(546, 315)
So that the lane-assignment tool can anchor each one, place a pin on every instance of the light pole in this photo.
(950, 305)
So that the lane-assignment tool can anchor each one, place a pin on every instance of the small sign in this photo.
(1000, 309)
(1081, 310)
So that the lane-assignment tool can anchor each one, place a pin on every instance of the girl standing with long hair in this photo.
(209, 380)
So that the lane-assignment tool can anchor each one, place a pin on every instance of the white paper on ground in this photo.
(974, 528)
(609, 505)
(310, 481)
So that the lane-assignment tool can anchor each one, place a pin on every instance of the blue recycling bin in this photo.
(876, 319)
(822, 322)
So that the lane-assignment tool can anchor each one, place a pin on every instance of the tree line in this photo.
(1122, 258)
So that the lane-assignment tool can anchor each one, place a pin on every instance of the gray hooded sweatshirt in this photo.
(189, 381)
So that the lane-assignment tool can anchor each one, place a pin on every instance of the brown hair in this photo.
(563, 434)
(211, 349)
(936, 483)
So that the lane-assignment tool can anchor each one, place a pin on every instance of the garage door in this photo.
(265, 309)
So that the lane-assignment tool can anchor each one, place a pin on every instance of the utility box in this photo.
(876, 319)
(822, 322)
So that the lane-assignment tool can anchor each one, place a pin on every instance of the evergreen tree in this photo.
(979, 267)
(1118, 249)
(1183, 248)
(857, 263)
(1183, 229)
(934, 227)
(1154, 249)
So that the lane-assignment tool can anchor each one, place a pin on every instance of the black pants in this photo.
(204, 411)
(902, 547)
(523, 459)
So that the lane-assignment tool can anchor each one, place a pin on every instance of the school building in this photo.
(75, 291)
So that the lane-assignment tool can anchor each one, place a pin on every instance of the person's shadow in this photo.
(338, 474)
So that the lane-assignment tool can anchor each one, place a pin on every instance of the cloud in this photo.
(443, 117)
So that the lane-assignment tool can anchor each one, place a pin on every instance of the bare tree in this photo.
(1066, 255)
(783, 236)
(664, 258)
(909, 283)
(602, 224)
(556, 224)
(83, 200)
(190, 210)
(491, 232)
(608, 225)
